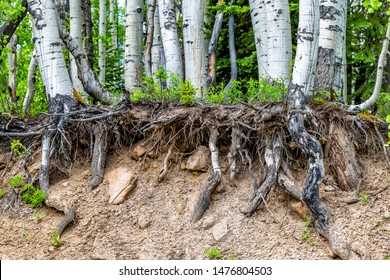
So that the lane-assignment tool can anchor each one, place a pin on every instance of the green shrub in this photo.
(33, 196)
(16, 182)
(213, 253)
(19, 148)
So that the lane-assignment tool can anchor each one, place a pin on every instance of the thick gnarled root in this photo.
(273, 154)
(66, 209)
(204, 198)
(98, 157)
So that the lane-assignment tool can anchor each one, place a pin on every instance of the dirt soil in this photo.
(163, 211)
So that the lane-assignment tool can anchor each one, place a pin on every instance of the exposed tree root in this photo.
(99, 156)
(343, 161)
(166, 164)
(67, 209)
(273, 154)
(277, 134)
(204, 198)
(234, 148)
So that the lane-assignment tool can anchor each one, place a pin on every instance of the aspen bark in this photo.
(101, 44)
(157, 51)
(76, 23)
(193, 40)
(330, 68)
(133, 45)
(259, 18)
(12, 68)
(150, 19)
(279, 40)
(170, 39)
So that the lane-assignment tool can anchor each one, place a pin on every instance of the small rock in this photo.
(220, 230)
(153, 154)
(199, 161)
(329, 188)
(183, 166)
(86, 174)
(138, 152)
(220, 188)
(65, 185)
(181, 207)
(300, 209)
(143, 223)
(208, 222)
(121, 181)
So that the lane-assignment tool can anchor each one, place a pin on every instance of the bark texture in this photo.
(12, 68)
(193, 40)
(150, 21)
(101, 44)
(170, 39)
(259, 18)
(133, 45)
(279, 39)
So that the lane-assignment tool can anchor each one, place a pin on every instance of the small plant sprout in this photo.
(19, 148)
(363, 197)
(213, 253)
(38, 214)
(55, 238)
(16, 182)
(1, 194)
(305, 234)
(25, 237)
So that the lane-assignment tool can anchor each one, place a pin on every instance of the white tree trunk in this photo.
(157, 49)
(279, 39)
(76, 25)
(259, 17)
(31, 84)
(379, 77)
(170, 39)
(113, 23)
(150, 15)
(206, 44)
(12, 67)
(133, 45)
(48, 47)
(330, 69)
(193, 39)
(307, 47)
(101, 44)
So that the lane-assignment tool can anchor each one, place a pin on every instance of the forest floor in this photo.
(154, 221)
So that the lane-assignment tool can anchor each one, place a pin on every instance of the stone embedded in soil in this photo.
(121, 181)
(143, 223)
(138, 152)
(300, 209)
(220, 230)
(208, 222)
(181, 207)
(199, 161)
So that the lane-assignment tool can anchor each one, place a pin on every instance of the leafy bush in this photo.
(16, 182)
(19, 148)
(33, 196)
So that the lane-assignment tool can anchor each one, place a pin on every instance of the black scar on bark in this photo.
(329, 12)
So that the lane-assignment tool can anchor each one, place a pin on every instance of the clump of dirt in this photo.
(154, 221)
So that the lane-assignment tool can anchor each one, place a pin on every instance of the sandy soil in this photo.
(105, 231)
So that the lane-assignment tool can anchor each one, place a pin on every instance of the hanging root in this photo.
(98, 157)
(213, 181)
(255, 185)
(313, 151)
(234, 148)
(44, 182)
(164, 172)
(273, 154)
(343, 159)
